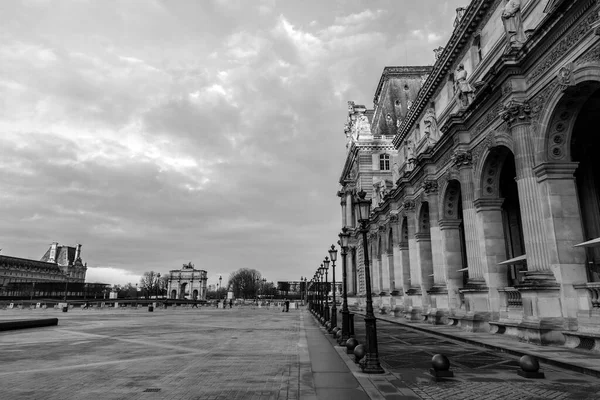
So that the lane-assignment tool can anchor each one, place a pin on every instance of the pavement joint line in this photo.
(144, 342)
(541, 358)
(97, 364)
(309, 392)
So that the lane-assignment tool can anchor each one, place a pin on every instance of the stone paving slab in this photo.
(479, 372)
(583, 361)
(167, 354)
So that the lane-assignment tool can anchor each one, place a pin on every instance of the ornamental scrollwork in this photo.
(409, 205)
(462, 158)
(430, 186)
(516, 112)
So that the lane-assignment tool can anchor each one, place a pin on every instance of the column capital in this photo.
(462, 158)
(516, 113)
(555, 170)
(488, 204)
(394, 219)
(409, 205)
(430, 186)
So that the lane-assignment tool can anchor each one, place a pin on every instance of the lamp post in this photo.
(326, 266)
(321, 273)
(157, 283)
(344, 239)
(333, 257)
(219, 288)
(371, 366)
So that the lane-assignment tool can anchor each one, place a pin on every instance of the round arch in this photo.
(559, 108)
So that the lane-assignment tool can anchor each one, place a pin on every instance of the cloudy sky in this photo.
(161, 132)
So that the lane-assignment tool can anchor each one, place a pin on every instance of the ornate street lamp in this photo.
(321, 273)
(326, 266)
(333, 257)
(371, 366)
(344, 239)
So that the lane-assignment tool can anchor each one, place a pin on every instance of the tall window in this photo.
(384, 162)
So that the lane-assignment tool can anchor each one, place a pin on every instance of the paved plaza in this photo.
(207, 353)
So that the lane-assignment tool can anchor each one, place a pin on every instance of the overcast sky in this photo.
(156, 133)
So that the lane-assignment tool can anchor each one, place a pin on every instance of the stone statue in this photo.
(362, 125)
(513, 24)
(410, 155)
(462, 87)
(395, 173)
(389, 121)
(430, 128)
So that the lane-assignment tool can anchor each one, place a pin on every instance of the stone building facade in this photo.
(187, 283)
(44, 277)
(492, 218)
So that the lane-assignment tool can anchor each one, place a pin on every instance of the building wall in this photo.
(451, 204)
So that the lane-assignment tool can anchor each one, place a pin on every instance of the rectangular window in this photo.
(384, 162)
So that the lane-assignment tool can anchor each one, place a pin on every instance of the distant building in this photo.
(187, 283)
(46, 277)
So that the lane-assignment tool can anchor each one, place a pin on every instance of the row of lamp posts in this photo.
(319, 294)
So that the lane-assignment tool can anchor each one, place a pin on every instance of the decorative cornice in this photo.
(516, 113)
(476, 12)
(565, 44)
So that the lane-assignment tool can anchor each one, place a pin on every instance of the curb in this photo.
(27, 323)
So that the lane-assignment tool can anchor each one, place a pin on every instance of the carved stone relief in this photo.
(462, 87)
(564, 76)
(462, 158)
(513, 24)
(564, 45)
(515, 112)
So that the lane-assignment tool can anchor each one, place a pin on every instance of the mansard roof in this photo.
(24, 262)
(475, 13)
(65, 255)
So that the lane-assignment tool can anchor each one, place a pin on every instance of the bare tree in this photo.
(245, 283)
(149, 283)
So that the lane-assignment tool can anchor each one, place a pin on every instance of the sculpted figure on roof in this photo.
(513, 24)
(430, 127)
(462, 87)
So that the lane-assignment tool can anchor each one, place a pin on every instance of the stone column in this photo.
(473, 236)
(451, 248)
(517, 116)
(349, 206)
(489, 211)
(396, 260)
(343, 201)
(431, 190)
(415, 275)
(384, 267)
(563, 227)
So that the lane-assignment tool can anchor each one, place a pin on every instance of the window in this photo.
(384, 162)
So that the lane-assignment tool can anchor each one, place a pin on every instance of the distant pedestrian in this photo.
(230, 303)
(287, 306)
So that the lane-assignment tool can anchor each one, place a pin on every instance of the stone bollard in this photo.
(359, 353)
(350, 345)
(334, 331)
(441, 367)
(530, 368)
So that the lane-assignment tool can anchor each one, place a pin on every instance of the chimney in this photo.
(78, 252)
(53, 248)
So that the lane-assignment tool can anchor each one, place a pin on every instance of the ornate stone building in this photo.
(19, 276)
(492, 221)
(187, 283)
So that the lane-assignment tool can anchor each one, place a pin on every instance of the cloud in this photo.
(166, 132)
